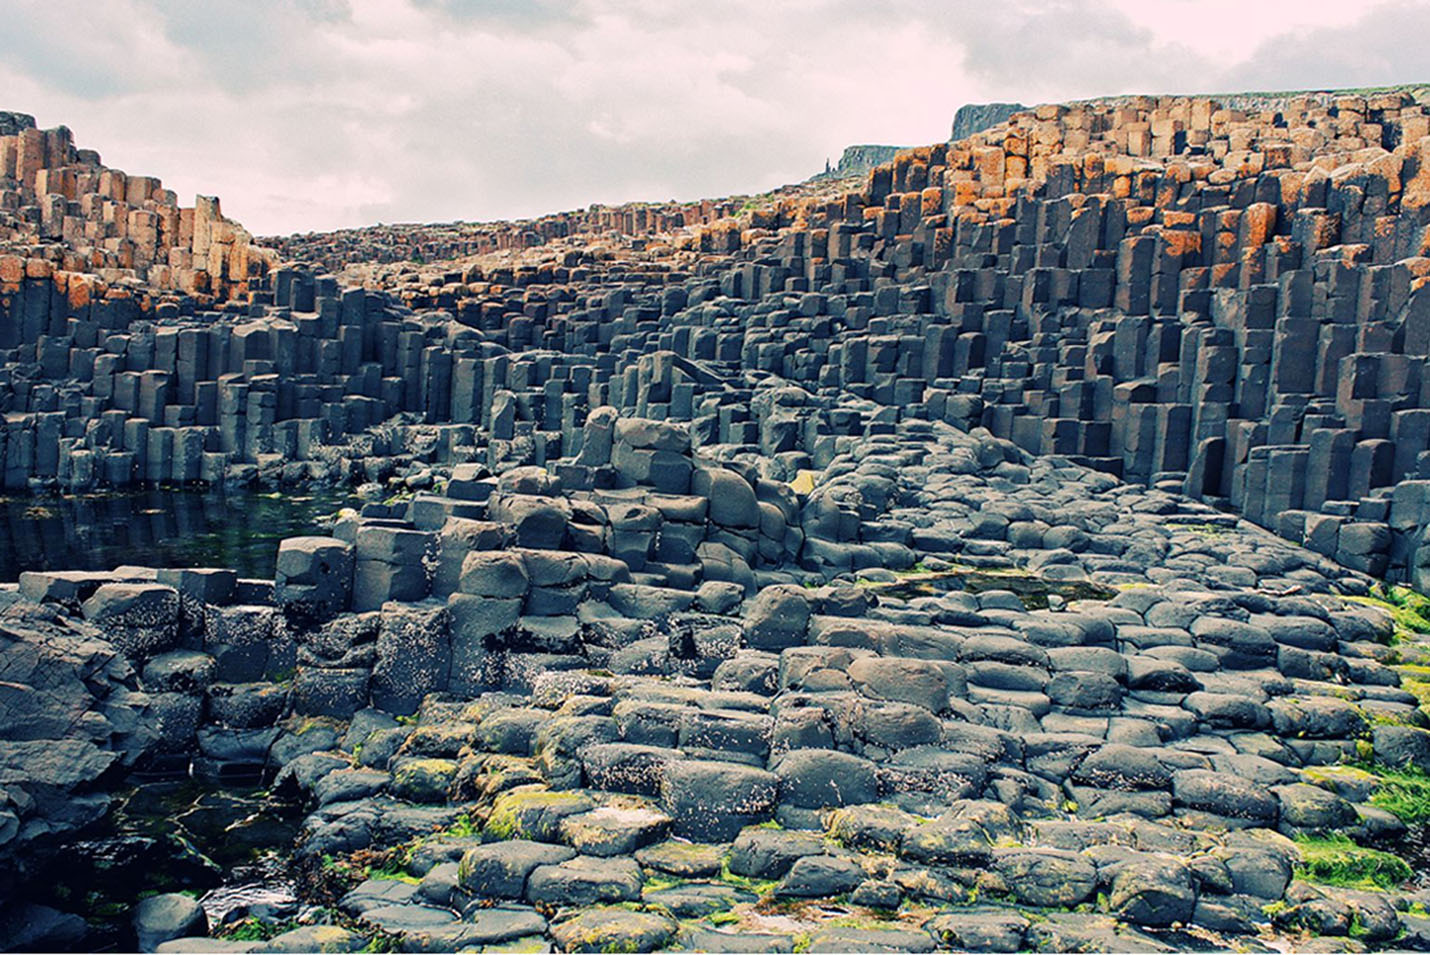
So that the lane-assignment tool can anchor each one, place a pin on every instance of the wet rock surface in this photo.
(884, 759)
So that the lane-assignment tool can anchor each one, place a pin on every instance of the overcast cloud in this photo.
(319, 114)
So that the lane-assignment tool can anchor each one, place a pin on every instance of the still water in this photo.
(158, 527)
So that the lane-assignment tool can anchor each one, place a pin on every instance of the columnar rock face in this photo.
(898, 547)
(973, 118)
(1168, 290)
(62, 211)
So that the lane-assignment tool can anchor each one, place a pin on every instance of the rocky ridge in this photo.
(858, 160)
(976, 117)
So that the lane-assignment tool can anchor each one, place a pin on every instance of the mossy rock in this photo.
(529, 813)
(686, 860)
(1339, 861)
(614, 929)
(1348, 782)
(424, 780)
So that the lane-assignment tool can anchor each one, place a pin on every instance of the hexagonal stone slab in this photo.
(613, 930)
(500, 869)
(688, 860)
(613, 830)
(585, 880)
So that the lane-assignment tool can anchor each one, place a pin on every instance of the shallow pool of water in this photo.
(158, 527)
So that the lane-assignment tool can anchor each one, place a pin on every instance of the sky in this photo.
(320, 114)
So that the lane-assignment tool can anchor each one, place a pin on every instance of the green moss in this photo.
(529, 944)
(382, 943)
(253, 930)
(1341, 773)
(862, 922)
(1409, 611)
(1273, 909)
(501, 828)
(761, 887)
(1405, 792)
(659, 883)
(512, 810)
(1416, 686)
(248, 930)
(464, 827)
(1390, 719)
(1337, 860)
(392, 872)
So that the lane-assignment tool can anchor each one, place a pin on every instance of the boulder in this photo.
(711, 800)
(494, 574)
(500, 869)
(604, 929)
(777, 618)
(313, 577)
(821, 778)
(414, 655)
(1047, 877)
(1155, 893)
(732, 500)
(141, 619)
(584, 880)
(162, 918)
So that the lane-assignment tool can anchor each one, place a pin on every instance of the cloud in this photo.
(1066, 50)
(319, 114)
(1378, 49)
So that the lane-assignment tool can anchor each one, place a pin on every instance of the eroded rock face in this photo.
(72, 720)
(972, 118)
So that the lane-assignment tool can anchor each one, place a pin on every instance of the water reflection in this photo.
(157, 527)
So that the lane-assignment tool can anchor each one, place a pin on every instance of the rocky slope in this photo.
(884, 569)
(119, 235)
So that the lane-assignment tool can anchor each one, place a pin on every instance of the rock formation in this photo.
(62, 211)
(858, 160)
(973, 118)
(989, 558)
